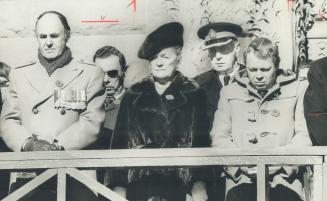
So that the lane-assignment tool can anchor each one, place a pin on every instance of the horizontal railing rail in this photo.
(62, 163)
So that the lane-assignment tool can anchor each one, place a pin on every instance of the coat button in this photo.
(254, 140)
(251, 116)
(264, 134)
(264, 111)
(63, 112)
(35, 110)
(275, 113)
(59, 83)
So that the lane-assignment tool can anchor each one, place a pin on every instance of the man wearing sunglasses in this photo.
(113, 63)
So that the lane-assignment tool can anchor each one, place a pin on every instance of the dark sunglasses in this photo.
(112, 73)
(4, 83)
(223, 49)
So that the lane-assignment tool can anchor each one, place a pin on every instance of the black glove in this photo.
(33, 144)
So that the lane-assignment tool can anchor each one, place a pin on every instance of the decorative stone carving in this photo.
(304, 19)
(317, 40)
(317, 35)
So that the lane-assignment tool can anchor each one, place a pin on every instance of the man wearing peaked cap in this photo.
(219, 30)
(164, 110)
(221, 42)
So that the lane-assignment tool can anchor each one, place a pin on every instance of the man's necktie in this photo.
(1, 102)
(262, 93)
(226, 80)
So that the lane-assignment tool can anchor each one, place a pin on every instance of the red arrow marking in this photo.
(133, 3)
(289, 3)
(95, 21)
(322, 14)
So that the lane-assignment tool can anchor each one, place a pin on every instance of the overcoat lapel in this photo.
(45, 85)
(37, 76)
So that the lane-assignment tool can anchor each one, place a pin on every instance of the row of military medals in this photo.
(69, 100)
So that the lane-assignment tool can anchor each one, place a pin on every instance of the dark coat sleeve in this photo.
(201, 139)
(315, 105)
(201, 121)
(119, 140)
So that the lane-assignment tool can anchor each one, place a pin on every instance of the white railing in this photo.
(62, 163)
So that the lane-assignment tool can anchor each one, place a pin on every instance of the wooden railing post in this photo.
(31, 185)
(324, 180)
(262, 183)
(317, 192)
(61, 184)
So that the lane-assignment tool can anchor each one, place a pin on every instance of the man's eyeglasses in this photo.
(112, 73)
(223, 49)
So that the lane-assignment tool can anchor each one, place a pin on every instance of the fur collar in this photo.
(174, 97)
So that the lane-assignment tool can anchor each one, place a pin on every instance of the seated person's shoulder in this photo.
(319, 62)
(189, 85)
(89, 67)
(24, 65)
(234, 90)
(303, 72)
(19, 70)
(82, 63)
(204, 77)
(139, 87)
(319, 66)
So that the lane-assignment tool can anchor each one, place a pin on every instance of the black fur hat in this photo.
(167, 35)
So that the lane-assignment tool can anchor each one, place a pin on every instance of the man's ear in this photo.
(237, 47)
(179, 53)
(179, 58)
(67, 36)
(35, 34)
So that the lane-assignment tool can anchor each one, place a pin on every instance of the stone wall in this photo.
(269, 18)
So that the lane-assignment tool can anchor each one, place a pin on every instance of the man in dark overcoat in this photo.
(315, 102)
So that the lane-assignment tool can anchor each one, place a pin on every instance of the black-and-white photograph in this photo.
(163, 100)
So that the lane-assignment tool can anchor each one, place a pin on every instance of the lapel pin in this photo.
(170, 97)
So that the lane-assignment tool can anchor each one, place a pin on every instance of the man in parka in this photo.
(262, 109)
